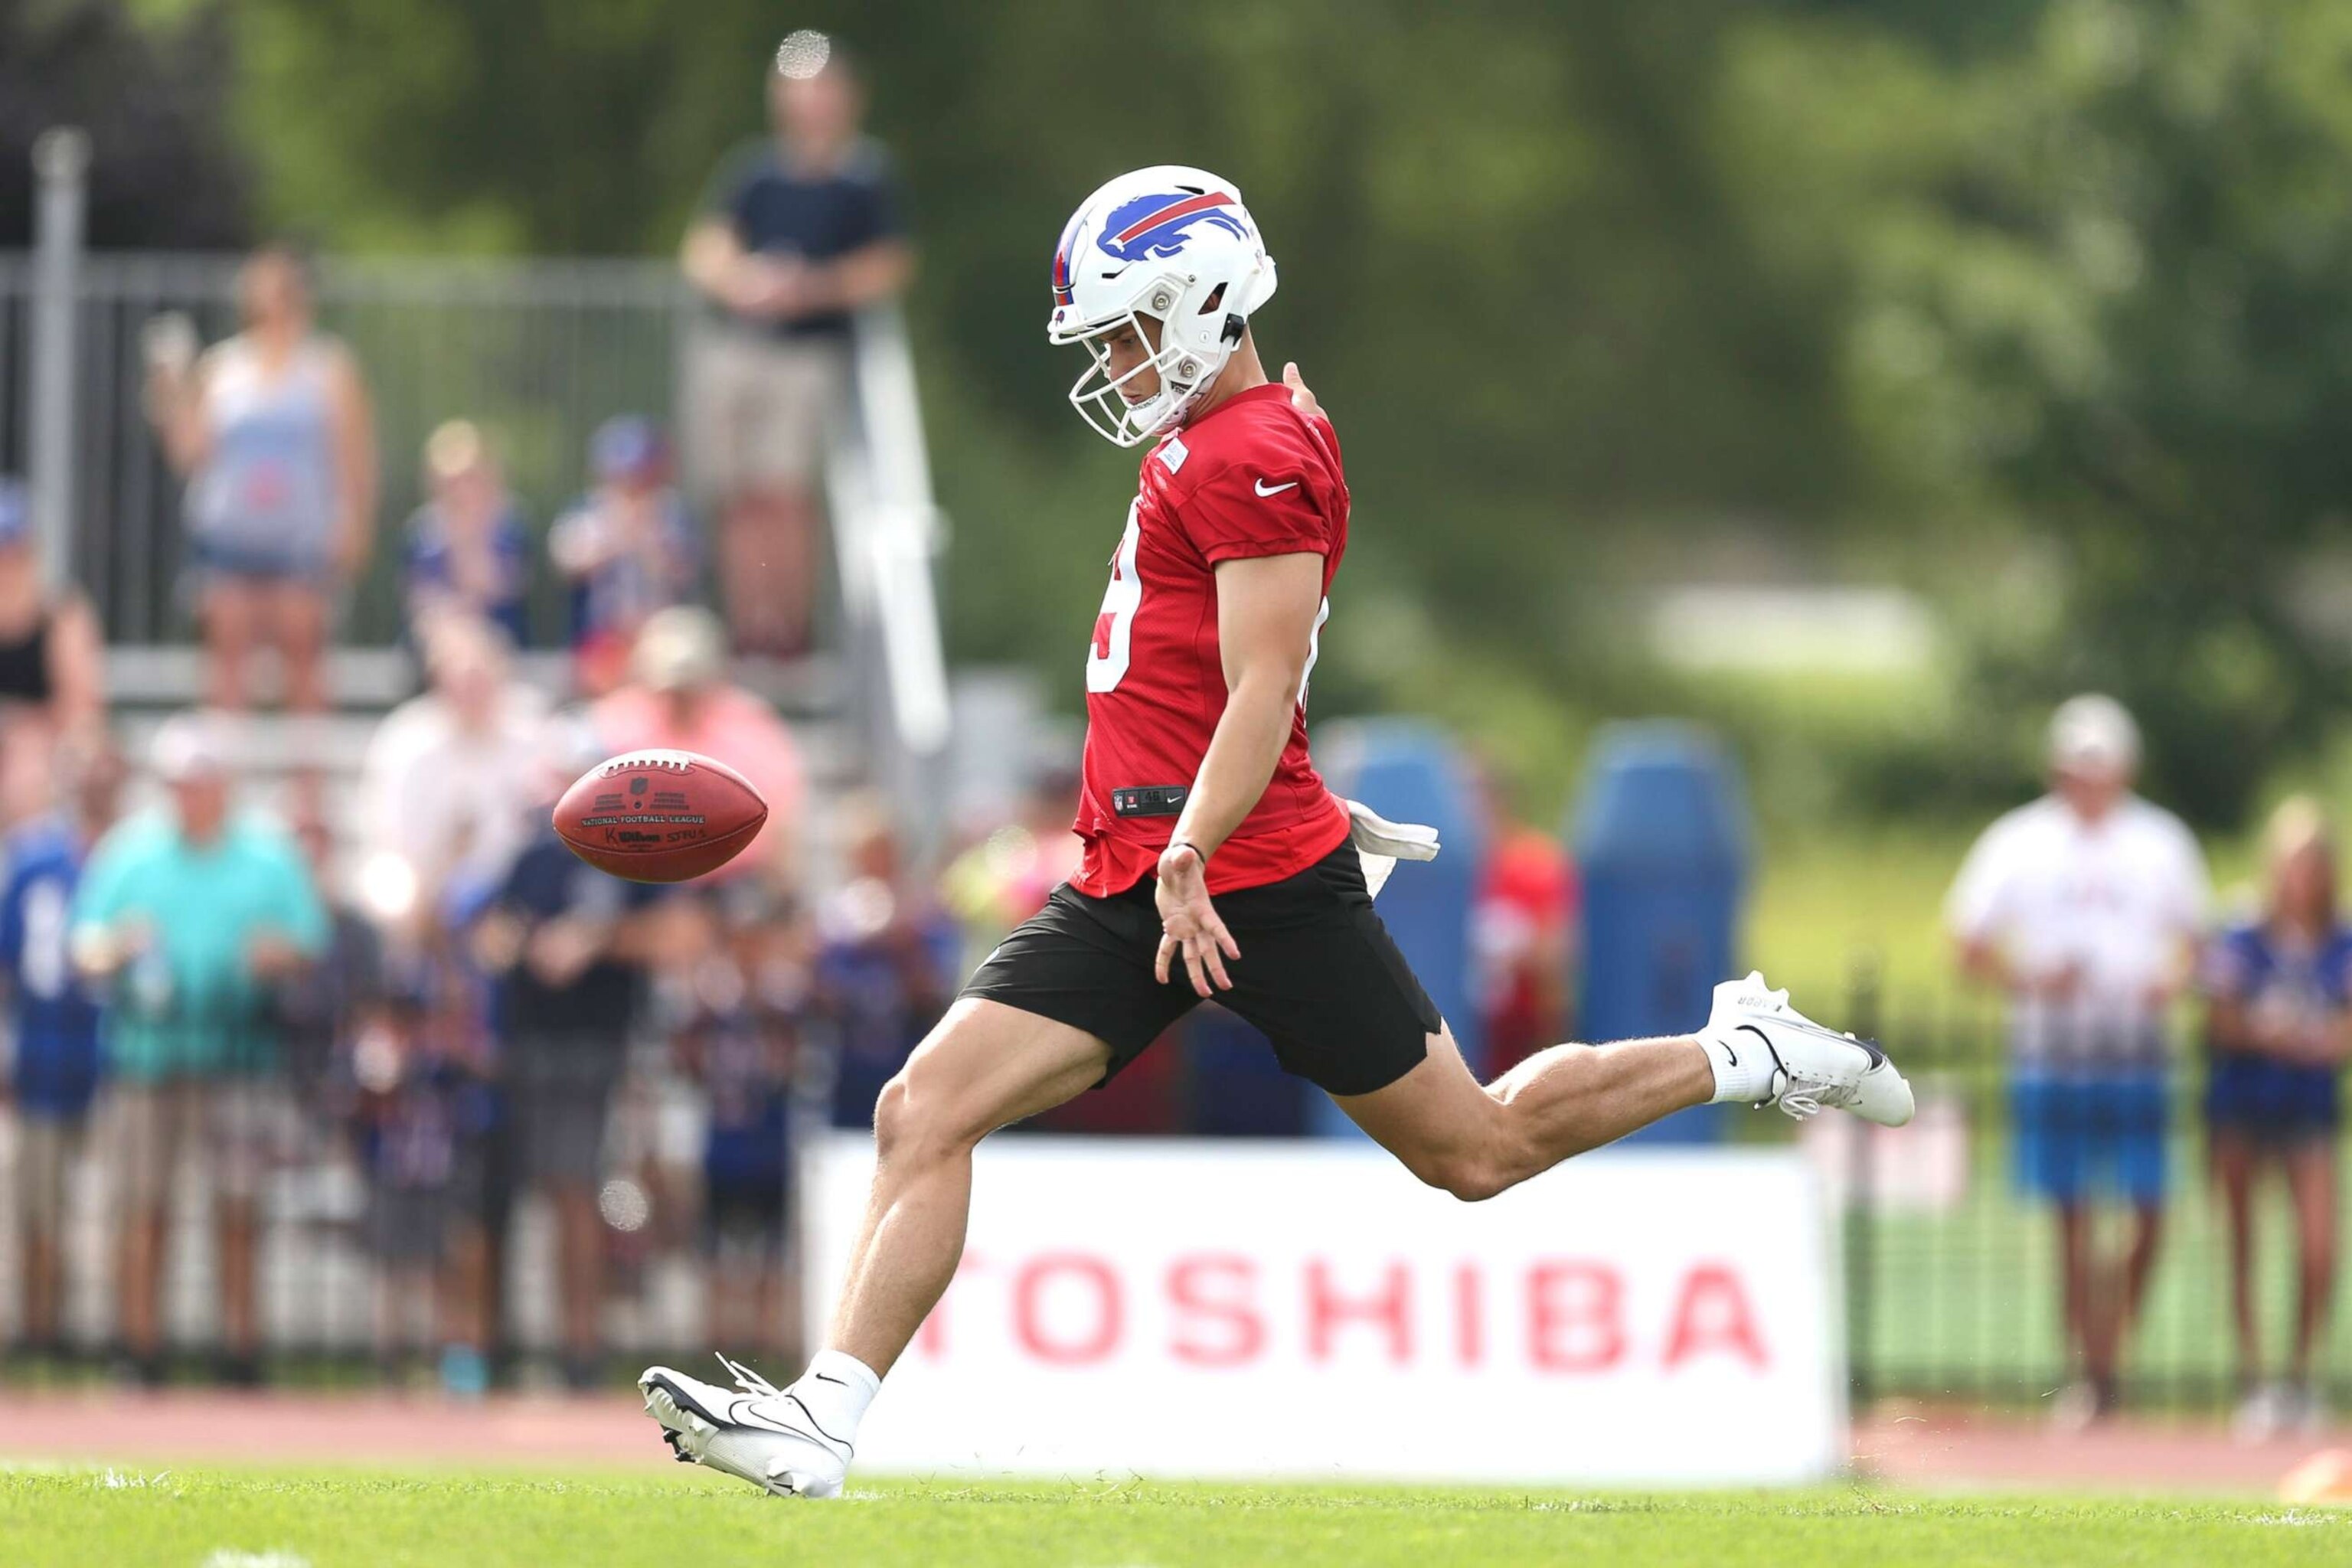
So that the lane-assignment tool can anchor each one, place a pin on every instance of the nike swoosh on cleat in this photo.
(822, 1377)
(743, 1419)
(813, 1422)
(1778, 1065)
(1822, 1031)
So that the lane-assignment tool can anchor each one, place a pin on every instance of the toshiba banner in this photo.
(1241, 1308)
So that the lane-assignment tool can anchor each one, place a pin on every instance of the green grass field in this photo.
(227, 1520)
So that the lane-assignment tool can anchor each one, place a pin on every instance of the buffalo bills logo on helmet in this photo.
(1152, 226)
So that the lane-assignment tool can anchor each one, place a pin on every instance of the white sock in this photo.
(838, 1388)
(1743, 1067)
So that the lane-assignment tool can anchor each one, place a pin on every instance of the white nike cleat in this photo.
(762, 1435)
(1812, 1067)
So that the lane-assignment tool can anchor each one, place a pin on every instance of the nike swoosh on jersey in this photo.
(1278, 489)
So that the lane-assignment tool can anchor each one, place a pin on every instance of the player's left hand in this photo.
(1301, 398)
(1188, 923)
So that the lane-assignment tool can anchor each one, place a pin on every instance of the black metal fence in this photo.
(1953, 1280)
(385, 1241)
(1951, 1262)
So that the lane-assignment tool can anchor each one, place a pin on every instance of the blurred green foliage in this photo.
(2042, 306)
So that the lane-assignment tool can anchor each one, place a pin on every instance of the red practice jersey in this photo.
(1252, 476)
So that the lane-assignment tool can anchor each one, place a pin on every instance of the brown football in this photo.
(659, 817)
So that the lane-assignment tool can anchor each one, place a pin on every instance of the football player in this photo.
(1215, 862)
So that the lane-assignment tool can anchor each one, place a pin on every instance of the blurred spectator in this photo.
(2084, 907)
(188, 917)
(448, 792)
(679, 696)
(741, 1006)
(2281, 1026)
(448, 776)
(272, 431)
(421, 1108)
(885, 966)
(627, 547)
(796, 233)
(468, 551)
(349, 1040)
(1005, 878)
(53, 1017)
(52, 660)
(565, 943)
(321, 1008)
(1522, 929)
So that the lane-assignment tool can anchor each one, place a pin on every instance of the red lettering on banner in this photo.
(1242, 1333)
(1031, 1283)
(1711, 1314)
(1469, 1322)
(1391, 1308)
(931, 1339)
(1574, 1323)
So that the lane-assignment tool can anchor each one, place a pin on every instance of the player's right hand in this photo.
(1190, 924)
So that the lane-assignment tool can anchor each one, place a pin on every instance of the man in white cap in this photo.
(185, 921)
(2086, 907)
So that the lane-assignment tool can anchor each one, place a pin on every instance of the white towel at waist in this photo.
(1381, 843)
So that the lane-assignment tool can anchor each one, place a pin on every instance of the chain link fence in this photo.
(537, 352)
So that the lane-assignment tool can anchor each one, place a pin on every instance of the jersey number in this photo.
(1112, 648)
(1115, 627)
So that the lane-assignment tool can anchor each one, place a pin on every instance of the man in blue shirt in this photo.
(797, 233)
(55, 1019)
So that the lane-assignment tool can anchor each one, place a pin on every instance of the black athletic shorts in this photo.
(1318, 974)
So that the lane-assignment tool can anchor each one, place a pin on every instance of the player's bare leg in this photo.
(1476, 1141)
(984, 1066)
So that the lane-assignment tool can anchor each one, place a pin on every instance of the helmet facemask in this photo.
(1186, 370)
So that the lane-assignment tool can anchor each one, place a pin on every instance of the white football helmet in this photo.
(1174, 243)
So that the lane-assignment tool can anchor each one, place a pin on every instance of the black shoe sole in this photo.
(685, 1401)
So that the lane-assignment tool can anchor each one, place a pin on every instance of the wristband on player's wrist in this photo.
(1176, 844)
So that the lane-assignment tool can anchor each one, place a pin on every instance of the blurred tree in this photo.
(549, 125)
(166, 170)
(1511, 259)
(1975, 30)
(2049, 298)
(2114, 298)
